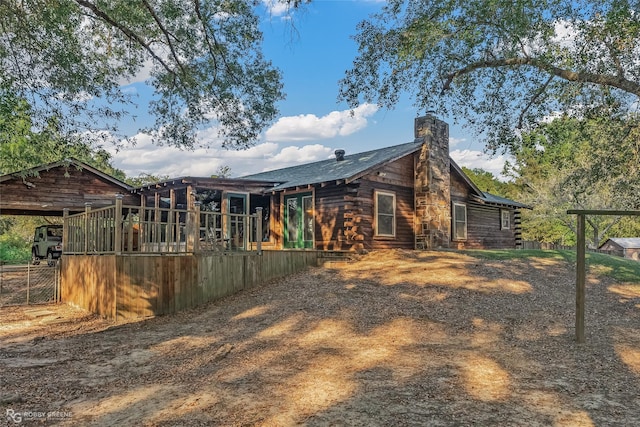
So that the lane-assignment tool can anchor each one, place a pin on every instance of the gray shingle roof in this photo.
(492, 198)
(353, 166)
(627, 242)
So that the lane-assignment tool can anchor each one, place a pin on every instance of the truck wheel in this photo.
(34, 258)
(50, 261)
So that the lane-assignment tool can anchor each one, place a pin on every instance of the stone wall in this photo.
(432, 184)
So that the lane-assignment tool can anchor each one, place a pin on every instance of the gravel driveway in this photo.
(396, 338)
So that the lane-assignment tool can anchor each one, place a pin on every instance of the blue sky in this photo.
(312, 124)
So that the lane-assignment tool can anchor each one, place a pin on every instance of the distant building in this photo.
(627, 247)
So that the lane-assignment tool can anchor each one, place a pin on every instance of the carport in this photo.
(48, 189)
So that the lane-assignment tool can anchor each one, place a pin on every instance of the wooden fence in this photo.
(130, 286)
(532, 244)
(134, 229)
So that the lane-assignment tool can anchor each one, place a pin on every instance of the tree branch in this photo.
(533, 99)
(618, 82)
(207, 39)
(128, 32)
(167, 35)
(608, 227)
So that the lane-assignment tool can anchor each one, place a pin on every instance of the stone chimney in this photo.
(432, 184)
(339, 155)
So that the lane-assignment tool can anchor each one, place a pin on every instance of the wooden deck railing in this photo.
(146, 230)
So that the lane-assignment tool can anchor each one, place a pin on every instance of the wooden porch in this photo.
(125, 261)
(123, 229)
(144, 285)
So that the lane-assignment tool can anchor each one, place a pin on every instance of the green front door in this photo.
(298, 221)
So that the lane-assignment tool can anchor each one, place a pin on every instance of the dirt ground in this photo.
(397, 338)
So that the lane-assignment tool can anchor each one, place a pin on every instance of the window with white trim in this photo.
(385, 214)
(505, 219)
(459, 221)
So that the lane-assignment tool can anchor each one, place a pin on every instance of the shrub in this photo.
(14, 248)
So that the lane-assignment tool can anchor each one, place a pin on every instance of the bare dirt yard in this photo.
(396, 338)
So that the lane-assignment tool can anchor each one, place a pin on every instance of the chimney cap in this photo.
(339, 154)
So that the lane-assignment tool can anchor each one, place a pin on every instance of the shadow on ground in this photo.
(397, 338)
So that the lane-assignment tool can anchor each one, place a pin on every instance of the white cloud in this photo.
(292, 155)
(456, 141)
(273, 153)
(477, 159)
(276, 7)
(307, 127)
(145, 157)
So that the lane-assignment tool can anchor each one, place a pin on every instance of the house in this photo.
(409, 196)
(406, 196)
(175, 244)
(627, 247)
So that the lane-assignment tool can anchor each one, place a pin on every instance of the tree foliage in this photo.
(69, 59)
(501, 64)
(486, 181)
(22, 147)
(569, 164)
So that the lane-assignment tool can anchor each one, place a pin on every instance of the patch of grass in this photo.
(14, 249)
(501, 254)
(621, 269)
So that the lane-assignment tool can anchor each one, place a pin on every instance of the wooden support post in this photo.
(143, 240)
(580, 278)
(172, 243)
(87, 223)
(130, 230)
(259, 230)
(66, 235)
(156, 223)
(117, 235)
(193, 228)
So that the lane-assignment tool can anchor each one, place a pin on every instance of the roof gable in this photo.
(65, 163)
(625, 242)
(484, 196)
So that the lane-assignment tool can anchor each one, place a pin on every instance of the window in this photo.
(385, 207)
(505, 219)
(459, 221)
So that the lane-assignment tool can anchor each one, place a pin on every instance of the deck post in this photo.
(580, 278)
(157, 238)
(65, 230)
(259, 230)
(193, 228)
(117, 235)
(87, 212)
(172, 243)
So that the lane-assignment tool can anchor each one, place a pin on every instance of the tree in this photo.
(501, 64)
(224, 171)
(22, 147)
(569, 164)
(146, 179)
(68, 60)
(486, 181)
